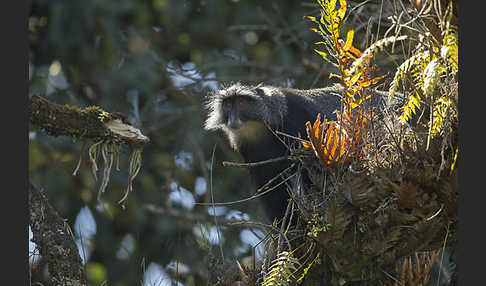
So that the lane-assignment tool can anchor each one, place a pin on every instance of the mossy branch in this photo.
(108, 130)
(54, 241)
(89, 123)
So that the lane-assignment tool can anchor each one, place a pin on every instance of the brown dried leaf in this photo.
(407, 194)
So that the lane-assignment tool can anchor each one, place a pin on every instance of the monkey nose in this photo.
(234, 123)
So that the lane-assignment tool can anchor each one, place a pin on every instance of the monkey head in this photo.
(245, 113)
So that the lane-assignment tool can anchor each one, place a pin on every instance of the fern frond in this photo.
(439, 112)
(403, 70)
(330, 17)
(409, 108)
(363, 61)
(450, 48)
(283, 269)
(328, 24)
(417, 72)
(431, 76)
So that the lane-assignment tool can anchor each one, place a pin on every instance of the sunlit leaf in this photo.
(349, 40)
(312, 18)
(306, 144)
(332, 75)
(342, 11)
(95, 272)
(353, 79)
(438, 115)
(454, 161)
(322, 54)
(409, 108)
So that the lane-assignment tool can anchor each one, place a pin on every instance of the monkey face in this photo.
(238, 110)
(245, 112)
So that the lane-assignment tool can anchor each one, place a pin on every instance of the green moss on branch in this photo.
(91, 122)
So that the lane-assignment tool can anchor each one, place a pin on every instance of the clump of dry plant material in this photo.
(384, 182)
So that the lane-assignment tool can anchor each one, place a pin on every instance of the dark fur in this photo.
(283, 109)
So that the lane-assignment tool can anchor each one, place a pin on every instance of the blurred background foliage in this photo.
(156, 61)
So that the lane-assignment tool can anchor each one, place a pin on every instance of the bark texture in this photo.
(90, 123)
(55, 241)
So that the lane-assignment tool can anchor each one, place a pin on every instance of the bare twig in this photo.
(259, 163)
(212, 202)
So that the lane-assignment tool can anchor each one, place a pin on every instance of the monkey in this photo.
(250, 115)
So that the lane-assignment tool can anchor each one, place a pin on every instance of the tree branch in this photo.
(91, 122)
(55, 241)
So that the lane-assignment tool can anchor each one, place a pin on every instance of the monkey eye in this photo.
(242, 101)
(226, 104)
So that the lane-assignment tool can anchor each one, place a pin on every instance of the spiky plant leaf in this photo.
(439, 112)
(283, 269)
(431, 76)
(402, 71)
(409, 108)
(363, 61)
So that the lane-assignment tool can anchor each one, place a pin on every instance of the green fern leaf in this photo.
(408, 66)
(431, 76)
(439, 112)
(283, 269)
(362, 62)
(409, 108)
(451, 48)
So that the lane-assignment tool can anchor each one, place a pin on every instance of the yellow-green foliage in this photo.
(353, 64)
(103, 115)
(318, 225)
(328, 26)
(362, 62)
(450, 48)
(439, 114)
(283, 270)
(341, 140)
(289, 270)
(431, 63)
(454, 160)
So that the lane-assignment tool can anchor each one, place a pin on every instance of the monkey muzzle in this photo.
(234, 121)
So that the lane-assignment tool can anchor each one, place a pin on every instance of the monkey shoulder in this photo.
(304, 105)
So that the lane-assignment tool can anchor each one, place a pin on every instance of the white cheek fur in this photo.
(251, 131)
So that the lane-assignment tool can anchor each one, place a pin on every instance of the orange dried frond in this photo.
(348, 50)
(316, 130)
(349, 40)
(326, 140)
(306, 144)
(357, 53)
(357, 126)
(362, 83)
(359, 87)
(355, 120)
(333, 141)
